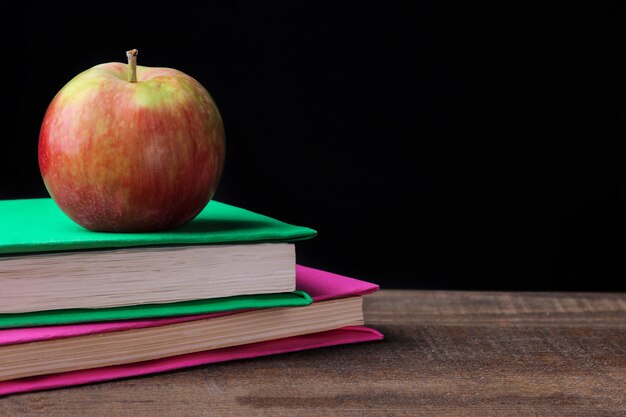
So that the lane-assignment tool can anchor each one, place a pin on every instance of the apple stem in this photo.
(132, 65)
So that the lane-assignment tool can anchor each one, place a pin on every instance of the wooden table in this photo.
(445, 354)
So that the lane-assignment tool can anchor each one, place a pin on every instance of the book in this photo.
(48, 262)
(125, 314)
(147, 275)
(38, 225)
(325, 288)
(343, 336)
(136, 345)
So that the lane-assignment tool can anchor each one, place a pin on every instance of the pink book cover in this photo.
(320, 285)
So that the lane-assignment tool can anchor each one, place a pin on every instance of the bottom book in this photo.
(326, 289)
(346, 335)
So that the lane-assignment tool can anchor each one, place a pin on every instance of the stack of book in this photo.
(78, 306)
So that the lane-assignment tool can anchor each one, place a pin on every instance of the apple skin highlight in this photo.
(124, 156)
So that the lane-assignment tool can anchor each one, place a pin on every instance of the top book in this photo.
(38, 225)
(48, 262)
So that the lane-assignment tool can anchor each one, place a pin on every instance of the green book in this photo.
(151, 311)
(38, 225)
(48, 262)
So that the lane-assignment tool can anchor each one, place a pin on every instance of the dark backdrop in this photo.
(459, 147)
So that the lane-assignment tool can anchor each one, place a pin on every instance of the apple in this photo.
(127, 148)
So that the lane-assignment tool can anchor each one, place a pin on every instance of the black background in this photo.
(460, 147)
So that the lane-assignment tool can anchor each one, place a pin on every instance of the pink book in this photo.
(320, 285)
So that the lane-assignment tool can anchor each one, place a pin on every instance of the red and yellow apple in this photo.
(126, 148)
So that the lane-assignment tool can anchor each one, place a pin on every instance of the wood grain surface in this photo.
(445, 354)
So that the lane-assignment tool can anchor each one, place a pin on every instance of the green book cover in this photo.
(147, 311)
(38, 225)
